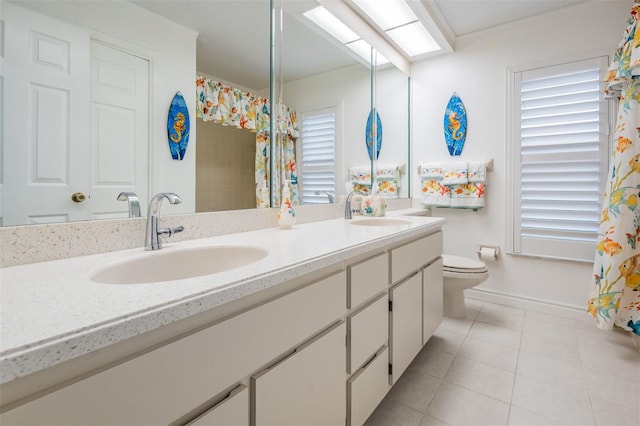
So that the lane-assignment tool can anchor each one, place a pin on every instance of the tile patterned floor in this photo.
(507, 366)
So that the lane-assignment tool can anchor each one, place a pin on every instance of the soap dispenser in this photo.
(286, 216)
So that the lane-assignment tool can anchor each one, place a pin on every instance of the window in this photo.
(318, 159)
(559, 155)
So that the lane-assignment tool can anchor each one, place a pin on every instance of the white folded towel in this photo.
(435, 194)
(431, 171)
(455, 173)
(387, 171)
(467, 203)
(360, 174)
(477, 172)
(388, 188)
(468, 196)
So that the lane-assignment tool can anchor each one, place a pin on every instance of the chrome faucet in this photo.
(152, 239)
(347, 204)
(330, 195)
(134, 203)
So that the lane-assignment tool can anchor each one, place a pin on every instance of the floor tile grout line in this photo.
(593, 420)
(586, 385)
(486, 364)
(519, 352)
(515, 373)
(464, 387)
(426, 412)
(489, 341)
(409, 407)
(475, 391)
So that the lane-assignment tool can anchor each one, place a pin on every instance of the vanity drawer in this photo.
(306, 388)
(162, 385)
(410, 257)
(367, 388)
(366, 279)
(368, 331)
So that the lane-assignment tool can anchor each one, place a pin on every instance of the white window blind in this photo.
(561, 159)
(318, 156)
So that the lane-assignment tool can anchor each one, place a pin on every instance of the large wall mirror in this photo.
(89, 118)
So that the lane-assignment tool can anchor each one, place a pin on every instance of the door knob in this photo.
(78, 197)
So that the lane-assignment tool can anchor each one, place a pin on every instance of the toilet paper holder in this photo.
(488, 252)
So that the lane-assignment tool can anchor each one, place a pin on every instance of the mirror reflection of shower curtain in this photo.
(229, 106)
(273, 173)
(262, 168)
(284, 162)
(615, 292)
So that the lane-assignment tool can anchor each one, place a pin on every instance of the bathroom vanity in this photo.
(316, 332)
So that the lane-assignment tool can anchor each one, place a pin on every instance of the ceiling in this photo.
(468, 16)
(233, 40)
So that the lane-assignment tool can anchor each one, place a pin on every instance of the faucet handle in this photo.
(170, 231)
(176, 230)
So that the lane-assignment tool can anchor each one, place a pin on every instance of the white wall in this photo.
(392, 103)
(171, 50)
(350, 89)
(477, 72)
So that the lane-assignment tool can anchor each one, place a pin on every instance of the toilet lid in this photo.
(464, 264)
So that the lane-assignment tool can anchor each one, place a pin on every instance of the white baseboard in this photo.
(544, 306)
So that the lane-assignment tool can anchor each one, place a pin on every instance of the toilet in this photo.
(460, 273)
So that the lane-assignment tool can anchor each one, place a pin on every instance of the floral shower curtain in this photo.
(233, 107)
(285, 151)
(615, 293)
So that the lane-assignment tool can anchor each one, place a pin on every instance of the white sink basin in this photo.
(380, 221)
(170, 265)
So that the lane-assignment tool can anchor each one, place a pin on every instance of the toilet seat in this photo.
(462, 265)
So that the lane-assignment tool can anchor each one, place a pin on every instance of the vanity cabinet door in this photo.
(307, 387)
(432, 287)
(232, 411)
(405, 324)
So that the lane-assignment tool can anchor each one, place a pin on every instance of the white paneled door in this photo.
(58, 143)
(119, 129)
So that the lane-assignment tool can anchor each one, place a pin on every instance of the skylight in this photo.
(325, 20)
(396, 19)
(414, 39)
(387, 14)
(363, 49)
(328, 22)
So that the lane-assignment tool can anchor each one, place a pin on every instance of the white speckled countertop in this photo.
(51, 312)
